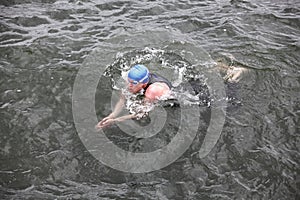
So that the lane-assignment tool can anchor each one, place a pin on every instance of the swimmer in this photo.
(152, 86)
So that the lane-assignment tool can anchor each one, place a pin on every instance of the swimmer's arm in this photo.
(118, 108)
(111, 118)
(125, 117)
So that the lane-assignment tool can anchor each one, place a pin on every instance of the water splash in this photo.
(163, 62)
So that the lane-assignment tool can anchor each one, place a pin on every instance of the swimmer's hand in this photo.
(105, 122)
(110, 120)
(234, 75)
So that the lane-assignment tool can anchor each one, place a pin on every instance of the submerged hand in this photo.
(235, 74)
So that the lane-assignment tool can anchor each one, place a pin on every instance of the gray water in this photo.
(43, 45)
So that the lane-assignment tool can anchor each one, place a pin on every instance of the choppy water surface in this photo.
(44, 43)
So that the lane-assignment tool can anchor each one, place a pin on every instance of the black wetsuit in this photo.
(153, 78)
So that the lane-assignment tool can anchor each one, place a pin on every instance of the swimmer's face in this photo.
(134, 87)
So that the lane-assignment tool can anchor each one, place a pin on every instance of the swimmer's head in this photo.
(138, 74)
(138, 77)
(156, 90)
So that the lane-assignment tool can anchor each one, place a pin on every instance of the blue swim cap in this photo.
(139, 73)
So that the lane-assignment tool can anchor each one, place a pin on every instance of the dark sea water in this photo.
(44, 43)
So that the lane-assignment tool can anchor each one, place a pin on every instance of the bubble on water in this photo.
(180, 71)
(135, 105)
